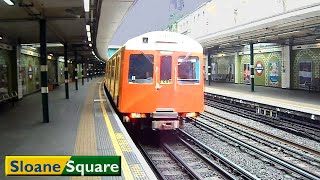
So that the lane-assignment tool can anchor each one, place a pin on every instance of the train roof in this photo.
(164, 40)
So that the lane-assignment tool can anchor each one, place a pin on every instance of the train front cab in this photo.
(159, 88)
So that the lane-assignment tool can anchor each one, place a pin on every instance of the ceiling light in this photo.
(89, 38)
(86, 5)
(317, 38)
(90, 45)
(88, 34)
(0, 37)
(9, 2)
(88, 28)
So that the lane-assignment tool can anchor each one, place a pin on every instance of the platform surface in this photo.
(298, 100)
(81, 125)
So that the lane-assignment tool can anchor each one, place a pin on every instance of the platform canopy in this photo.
(112, 12)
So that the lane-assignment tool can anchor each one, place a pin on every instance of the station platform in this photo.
(297, 100)
(85, 124)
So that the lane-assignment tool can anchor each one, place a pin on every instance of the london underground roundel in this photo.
(30, 72)
(259, 68)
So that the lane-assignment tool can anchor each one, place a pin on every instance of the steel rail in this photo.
(217, 155)
(290, 166)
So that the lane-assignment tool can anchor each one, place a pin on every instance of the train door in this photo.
(165, 81)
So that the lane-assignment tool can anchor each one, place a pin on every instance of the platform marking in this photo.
(125, 169)
(86, 135)
(138, 171)
(99, 100)
(123, 143)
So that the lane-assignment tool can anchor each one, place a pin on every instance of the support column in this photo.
(87, 71)
(19, 74)
(236, 67)
(57, 71)
(251, 67)
(66, 78)
(91, 71)
(209, 68)
(75, 63)
(82, 73)
(44, 70)
(285, 73)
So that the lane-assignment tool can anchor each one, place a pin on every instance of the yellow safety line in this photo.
(126, 169)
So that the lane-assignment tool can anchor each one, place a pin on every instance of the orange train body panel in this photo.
(144, 98)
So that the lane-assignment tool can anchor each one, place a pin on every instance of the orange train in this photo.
(155, 79)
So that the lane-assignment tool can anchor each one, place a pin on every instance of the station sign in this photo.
(259, 68)
(63, 166)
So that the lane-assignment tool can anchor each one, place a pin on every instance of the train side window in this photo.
(141, 69)
(165, 69)
(188, 70)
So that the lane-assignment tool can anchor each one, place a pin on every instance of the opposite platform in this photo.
(297, 100)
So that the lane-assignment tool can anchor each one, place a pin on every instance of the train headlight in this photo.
(138, 115)
(191, 114)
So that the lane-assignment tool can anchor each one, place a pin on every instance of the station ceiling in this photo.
(301, 26)
(66, 23)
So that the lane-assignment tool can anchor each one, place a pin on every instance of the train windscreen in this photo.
(188, 70)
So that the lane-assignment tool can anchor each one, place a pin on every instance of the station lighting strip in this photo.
(86, 5)
(87, 9)
(10, 3)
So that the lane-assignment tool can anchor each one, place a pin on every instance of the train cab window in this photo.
(165, 69)
(188, 70)
(141, 69)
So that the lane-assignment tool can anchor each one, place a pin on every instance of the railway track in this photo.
(263, 151)
(302, 150)
(309, 130)
(187, 158)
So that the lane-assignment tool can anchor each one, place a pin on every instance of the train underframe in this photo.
(162, 119)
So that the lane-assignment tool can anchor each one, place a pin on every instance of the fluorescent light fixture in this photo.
(89, 38)
(48, 45)
(88, 28)
(9, 2)
(0, 37)
(86, 4)
(88, 34)
(90, 45)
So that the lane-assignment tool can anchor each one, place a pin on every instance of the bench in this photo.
(314, 85)
(6, 97)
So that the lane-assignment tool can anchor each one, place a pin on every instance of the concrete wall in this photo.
(219, 15)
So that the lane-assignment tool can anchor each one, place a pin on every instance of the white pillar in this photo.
(285, 73)
(206, 58)
(19, 74)
(236, 67)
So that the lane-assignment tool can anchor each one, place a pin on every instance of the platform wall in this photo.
(5, 59)
(305, 67)
(30, 72)
(223, 68)
(270, 75)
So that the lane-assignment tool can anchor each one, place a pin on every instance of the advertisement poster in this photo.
(274, 73)
(305, 73)
(246, 73)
